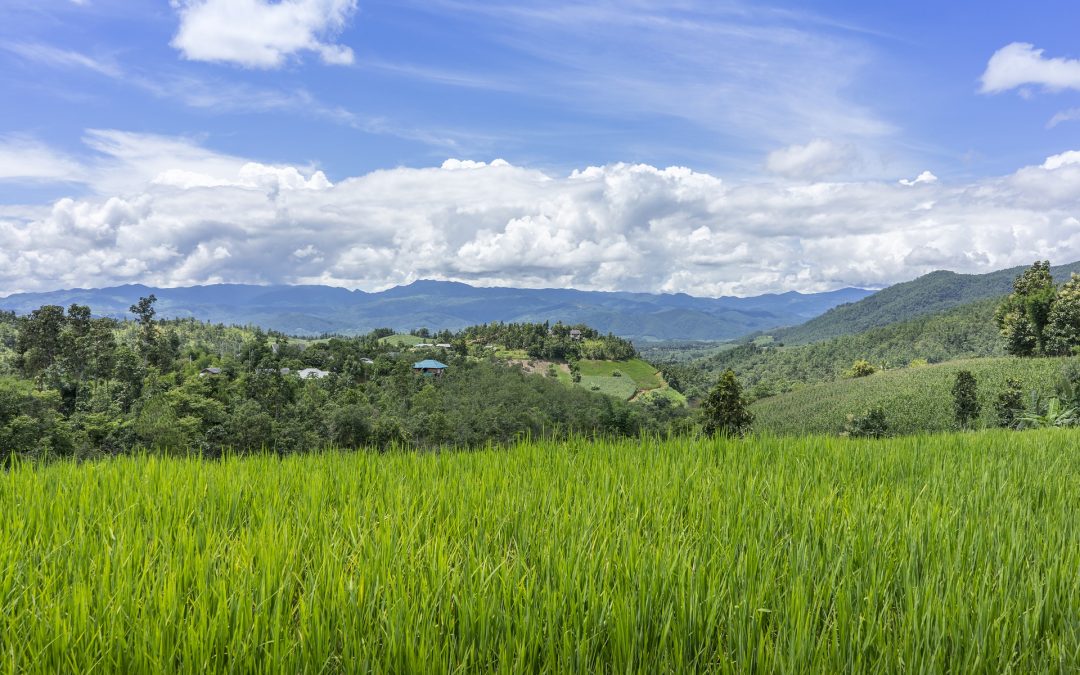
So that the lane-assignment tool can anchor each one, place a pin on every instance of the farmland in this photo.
(935, 553)
(916, 399)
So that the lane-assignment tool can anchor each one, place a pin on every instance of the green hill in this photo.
(916, 400)
(929, 294)
(768, 368)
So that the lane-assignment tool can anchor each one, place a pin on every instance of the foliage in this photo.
(1063, 321)
(1023, 316)
(965, 395)
(725, 410)
(925, 554)
(1048, 413)
(861, 368)
(871, 424)
(1009, 404)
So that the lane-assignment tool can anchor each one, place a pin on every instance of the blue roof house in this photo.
(429, 367)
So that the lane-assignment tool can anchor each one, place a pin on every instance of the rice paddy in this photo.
(954, 553)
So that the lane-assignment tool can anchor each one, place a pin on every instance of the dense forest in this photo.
(75, 385)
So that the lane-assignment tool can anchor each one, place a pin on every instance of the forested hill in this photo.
(315, 310)
(929, 294)
(767, 368)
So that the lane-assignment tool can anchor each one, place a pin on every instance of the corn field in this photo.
(954, 553)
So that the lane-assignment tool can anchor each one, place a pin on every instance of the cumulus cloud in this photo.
(816, 159)
(198, 217)
(924, 177)
(1020, 64)
(260, 33)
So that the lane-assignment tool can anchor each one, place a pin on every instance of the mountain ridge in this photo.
(314, 309)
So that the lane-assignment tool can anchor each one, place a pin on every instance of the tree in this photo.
(144, 314)
(1023, 316)
(871, 424)
(726, 408)
(861, 368)
(1009, 405)
(966, 407)
(1063, 322)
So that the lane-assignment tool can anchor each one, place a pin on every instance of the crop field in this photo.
(404, 340)
(915, 399)
(953, 553)
(635, 375)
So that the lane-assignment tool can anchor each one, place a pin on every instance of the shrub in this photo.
(861, 368)
(871, 424)
(1009, 405)
(726, 408)
(966, 407)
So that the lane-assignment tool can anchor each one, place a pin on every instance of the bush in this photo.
(1009, 406)
(861, 368)
(966, 407)
(871, 424)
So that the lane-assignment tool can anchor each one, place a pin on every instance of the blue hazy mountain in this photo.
(313, 310)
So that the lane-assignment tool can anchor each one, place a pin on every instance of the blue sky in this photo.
(115, 100)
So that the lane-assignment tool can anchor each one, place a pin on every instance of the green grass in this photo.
(403, 340)
(955, 553)
(636, 376)
(915, 399)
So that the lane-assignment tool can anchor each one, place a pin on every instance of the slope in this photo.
(929, 294)
(915, 400)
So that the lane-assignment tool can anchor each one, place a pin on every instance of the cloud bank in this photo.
(260, 33)
(167, 211)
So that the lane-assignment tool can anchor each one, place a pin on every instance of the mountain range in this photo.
(315, 310)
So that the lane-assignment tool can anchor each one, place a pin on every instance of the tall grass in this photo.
(935, 554)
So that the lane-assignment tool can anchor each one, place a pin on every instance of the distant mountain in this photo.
(929, 294)
(312, 310)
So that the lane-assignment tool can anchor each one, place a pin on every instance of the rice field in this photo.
(953, 553)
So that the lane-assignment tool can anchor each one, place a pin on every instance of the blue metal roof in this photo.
(429, 363)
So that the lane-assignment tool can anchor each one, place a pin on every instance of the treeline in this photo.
(558, 342)
(75, 385)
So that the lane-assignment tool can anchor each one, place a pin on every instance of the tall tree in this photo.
(1063, 325)
(144, 313)
(1023, 316)
(966, 407)
(726, 409)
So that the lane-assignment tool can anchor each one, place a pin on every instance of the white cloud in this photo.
(1069, 115)
(187, 215)
(1020, 64)
(25, 159)
(61, 58)
(924, 177)
(260, 33)
(816, 159)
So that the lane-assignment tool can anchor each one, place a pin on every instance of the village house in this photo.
(429, 367)
(310, 373)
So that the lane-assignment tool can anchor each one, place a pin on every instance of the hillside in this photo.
(315, 310)
(768, 367)
(916, 400)
(929, 294)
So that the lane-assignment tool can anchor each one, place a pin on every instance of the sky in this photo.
(712, 148)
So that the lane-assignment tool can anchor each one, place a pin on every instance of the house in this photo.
(429, 367)
(444, 345)
(309, 373)
(366, 361)
(575, 334)
(209, 372)
(423, 345)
